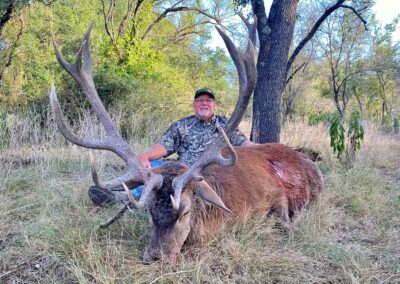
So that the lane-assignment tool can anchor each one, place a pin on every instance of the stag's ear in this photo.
(208, 194)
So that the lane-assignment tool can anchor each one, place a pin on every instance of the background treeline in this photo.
(150, 56)
(141, 66)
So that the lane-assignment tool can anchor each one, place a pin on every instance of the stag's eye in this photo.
(184, 213)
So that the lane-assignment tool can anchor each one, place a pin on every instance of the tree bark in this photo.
(275, 35)
(7, 15)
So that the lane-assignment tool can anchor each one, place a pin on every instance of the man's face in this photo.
(204, 106)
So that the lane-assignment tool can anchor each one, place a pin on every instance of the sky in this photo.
(385, 10)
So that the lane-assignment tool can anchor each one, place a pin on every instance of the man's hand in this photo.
(156, 152)
(145, 161)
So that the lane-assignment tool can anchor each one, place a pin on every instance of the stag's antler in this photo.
(81, 71)
(247, 73)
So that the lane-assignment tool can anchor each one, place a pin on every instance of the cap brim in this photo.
(211, 95)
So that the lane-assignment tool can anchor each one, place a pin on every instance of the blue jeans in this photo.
(137, 191)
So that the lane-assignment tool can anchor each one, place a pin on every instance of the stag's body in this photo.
(266, 178)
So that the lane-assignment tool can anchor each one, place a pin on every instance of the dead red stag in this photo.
(189, 204)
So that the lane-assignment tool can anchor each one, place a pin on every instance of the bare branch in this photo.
(126, 19)
(304, 64)
(108, 19)
(183, 32)
(357, 14)
(176, 9)
(134, 24)
(318, 23)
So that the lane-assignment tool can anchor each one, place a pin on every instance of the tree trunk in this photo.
(275, 34)
(7, 15)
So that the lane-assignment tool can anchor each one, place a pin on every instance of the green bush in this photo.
(320, 117)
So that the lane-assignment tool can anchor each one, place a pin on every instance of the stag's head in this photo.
(170, 224)
(171, 221)
(168, 190)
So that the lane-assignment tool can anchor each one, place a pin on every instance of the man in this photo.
(188, 137)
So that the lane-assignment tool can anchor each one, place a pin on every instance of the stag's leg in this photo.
(297, 217)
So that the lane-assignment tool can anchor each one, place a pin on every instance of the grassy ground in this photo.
(49, 228)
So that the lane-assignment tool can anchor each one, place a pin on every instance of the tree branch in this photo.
(134, 24)
(357, 14)
(176, 9)
(314, 29)
(318, 23)
(304, 64)
(262, 20)
(108, 19)
(126, 18)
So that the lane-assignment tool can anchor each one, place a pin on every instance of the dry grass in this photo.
(49, 228)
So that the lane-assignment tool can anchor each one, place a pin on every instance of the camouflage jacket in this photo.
(190, 136)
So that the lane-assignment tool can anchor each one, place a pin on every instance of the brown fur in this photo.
(266, 178)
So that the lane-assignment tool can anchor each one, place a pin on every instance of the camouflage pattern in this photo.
(190, 136)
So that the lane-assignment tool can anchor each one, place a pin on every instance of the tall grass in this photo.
(49, 228)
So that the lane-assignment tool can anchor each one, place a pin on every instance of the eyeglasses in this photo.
(204, 101)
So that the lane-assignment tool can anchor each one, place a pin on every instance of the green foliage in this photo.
(320, 117)
(336, 132)
(356, 130)
(355, 136)
(28, 78)
(147, 77)
(325, 90)
(136, 58)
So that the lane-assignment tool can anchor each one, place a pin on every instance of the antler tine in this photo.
(251, 27)
(210, 156)
(245, 66)
(65, 131)
(81, 71)
(83, 76)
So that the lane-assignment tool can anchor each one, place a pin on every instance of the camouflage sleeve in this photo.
(170, 139)
(237, 137)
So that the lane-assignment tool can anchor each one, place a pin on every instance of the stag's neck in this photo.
(207, 220)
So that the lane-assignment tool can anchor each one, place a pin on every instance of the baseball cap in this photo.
(204, 91)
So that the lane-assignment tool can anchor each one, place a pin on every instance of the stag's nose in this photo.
(153, 256)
